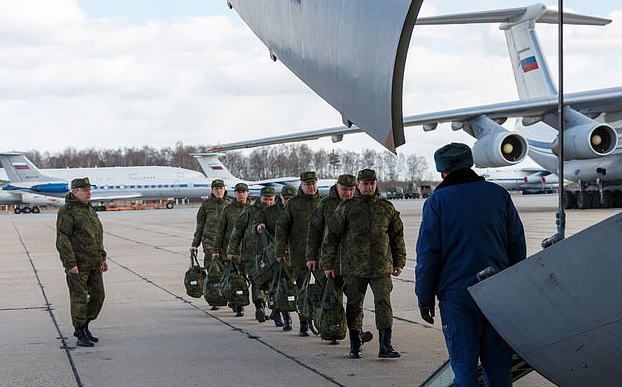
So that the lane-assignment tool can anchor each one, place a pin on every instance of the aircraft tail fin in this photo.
(19, 169)
(213, 168)
(531, 72)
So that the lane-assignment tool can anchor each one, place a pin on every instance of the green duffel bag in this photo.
(263, 266)
(194, 277)
(329, 315)
(310, 294)
(234, 286)
(283, 291)
(211, 288)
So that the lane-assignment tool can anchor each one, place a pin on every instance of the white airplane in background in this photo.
(214, 169)
(593, 119)
(526, 180)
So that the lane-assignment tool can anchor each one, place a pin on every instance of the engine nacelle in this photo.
(36, 199)
(535, 178)
(587, 141)
(499, 149)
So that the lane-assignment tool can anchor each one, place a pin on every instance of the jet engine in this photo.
(499, 149)
(587, 141)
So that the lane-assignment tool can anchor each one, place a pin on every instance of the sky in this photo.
(124, 73)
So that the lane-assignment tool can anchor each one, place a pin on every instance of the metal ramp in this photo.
(444, 376)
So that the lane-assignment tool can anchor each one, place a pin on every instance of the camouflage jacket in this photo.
(319, 222)
(225, 226)
(370, 233)
(244, 233)
(79, 235)
(293, 225)
(207, 222)
(270, 215)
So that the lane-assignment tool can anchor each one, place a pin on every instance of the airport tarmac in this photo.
(152, 334)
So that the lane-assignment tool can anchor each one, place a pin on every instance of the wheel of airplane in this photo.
(169, 205)
(17, 210)
(595, 199)
(569, 200)
(35, 210)
(608, 199)
(617, 198)
(584, 200)
(26, 210)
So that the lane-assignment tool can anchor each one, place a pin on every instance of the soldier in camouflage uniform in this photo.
(245, 234)
(207, 222)
(226, 223)
(291, 231)
(270, 215)
(80, 243)
(340, 192)
(365, 241)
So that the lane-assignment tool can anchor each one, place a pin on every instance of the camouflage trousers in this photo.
(300, 273)
(355, 288)
(86, 295)
(208, 259)
(257, 294)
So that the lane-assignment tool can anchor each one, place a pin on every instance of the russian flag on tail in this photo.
(21, 167)
(529, 64)
(216, 167)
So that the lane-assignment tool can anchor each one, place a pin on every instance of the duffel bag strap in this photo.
(193, 259)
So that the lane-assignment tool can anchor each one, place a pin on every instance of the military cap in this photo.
(366, 174)
(288, 191)
(241, 187)
(80, 183)
(308, 176)
(346, 180)
(267, 191)
(218, 183)
(453, 157)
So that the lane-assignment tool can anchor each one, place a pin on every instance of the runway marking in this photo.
(233, 327)
(48, 307)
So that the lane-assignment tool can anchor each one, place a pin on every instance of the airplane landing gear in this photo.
(569, 199)
(169, 205)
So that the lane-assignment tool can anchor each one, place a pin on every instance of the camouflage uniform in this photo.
(291, 232)
(207, 225)
(227, 220)
(244, 233)
(364, 242)
(80, 242)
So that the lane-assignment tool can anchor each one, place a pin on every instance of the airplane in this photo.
(214, 169)
(27, 202)
(525, 180)
(593, 120)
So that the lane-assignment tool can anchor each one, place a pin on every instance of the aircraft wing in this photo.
(113, 196)
(594, 102)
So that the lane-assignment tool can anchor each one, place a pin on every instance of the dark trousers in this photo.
(355, 289)
(86, 295)
(469, 336)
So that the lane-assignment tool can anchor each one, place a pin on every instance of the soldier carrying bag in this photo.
(264, 265)
(194, 277)
(211, 289)
(283, 290)
(234, 286)
(329, 316)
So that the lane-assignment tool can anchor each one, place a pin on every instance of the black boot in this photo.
(276, 317)
(239, 311)
(366, 337)
(304, 329)
(386, 350)
(88, 333)
(355, 344)
(260, 311)
(287, 321)
(214, 308)
(82, 340)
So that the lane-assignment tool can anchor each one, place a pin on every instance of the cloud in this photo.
(70, 80)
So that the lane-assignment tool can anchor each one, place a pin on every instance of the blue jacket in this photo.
(468, 224)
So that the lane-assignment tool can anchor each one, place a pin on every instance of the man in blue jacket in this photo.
(468, 225)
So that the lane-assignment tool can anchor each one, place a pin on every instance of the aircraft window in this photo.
(153, 186)
(131, 186)
(159, 185)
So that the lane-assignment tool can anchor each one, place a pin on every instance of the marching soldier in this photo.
(270, 215)
(340, 192)
(80, 243)
(226, 223)
(291, 231)
(365, 242)
(207, 222)
(244, 233)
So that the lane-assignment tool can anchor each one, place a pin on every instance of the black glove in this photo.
(427, 314)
